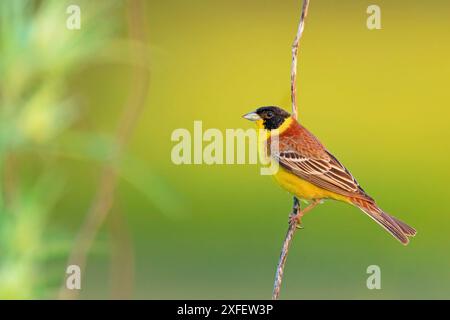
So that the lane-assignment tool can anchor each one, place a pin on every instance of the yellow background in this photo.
(378, 99)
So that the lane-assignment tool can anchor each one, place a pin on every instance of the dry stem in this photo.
(104, 198)
(293, 223)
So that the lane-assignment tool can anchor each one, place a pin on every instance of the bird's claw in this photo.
(296, 218)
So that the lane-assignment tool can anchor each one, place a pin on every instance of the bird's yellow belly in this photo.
(303, 189)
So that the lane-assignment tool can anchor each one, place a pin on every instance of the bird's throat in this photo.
(283, 127)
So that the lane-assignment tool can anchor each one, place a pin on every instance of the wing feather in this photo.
(329, 173)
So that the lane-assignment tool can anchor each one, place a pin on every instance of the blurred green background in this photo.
(86, 118)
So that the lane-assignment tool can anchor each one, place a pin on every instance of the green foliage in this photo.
(38, 117)
(38, 54)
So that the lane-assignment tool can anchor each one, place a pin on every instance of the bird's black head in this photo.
(268, 117)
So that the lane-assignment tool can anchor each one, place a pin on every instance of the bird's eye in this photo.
(269, 114)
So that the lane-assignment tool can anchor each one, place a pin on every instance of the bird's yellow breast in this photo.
(303, 189)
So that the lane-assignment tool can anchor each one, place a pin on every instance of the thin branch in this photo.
(104, 199)
(293, 223)
(295, 47)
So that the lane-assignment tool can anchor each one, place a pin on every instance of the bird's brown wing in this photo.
(302, 154)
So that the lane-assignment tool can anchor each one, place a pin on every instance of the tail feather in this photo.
(400, 230)
(409, 231)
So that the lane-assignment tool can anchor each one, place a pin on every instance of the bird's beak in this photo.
(252, 116)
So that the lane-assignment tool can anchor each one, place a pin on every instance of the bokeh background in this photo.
(86, 118)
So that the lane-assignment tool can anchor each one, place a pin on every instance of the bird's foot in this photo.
(296, 215)
(296, 218)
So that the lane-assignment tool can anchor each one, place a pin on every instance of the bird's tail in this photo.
(397, 228)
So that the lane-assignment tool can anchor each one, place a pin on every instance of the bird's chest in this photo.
(300, 188)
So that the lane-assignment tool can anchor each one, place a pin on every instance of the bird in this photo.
(311, 173)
